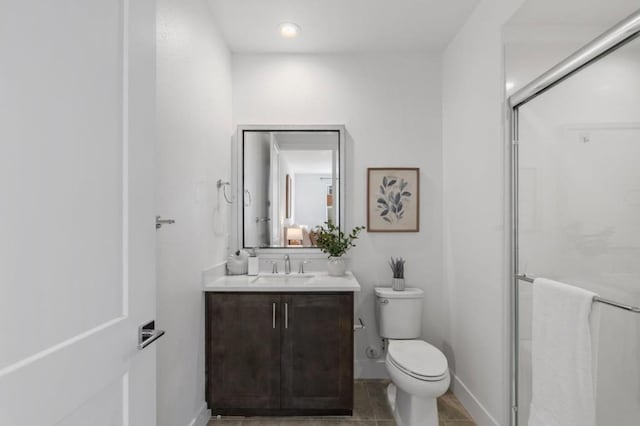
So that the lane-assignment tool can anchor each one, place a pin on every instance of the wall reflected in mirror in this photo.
(290, 186)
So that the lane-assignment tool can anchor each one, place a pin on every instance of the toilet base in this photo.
(410, 410)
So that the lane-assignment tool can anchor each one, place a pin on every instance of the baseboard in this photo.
(479, 413)
(203, 416)
(370, 369)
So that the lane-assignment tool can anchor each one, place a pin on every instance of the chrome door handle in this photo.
(273, 315)
(160, 222)
(147, 334)
(286, 315)
(360, 326)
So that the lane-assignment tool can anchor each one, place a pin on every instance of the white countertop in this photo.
(312, 282)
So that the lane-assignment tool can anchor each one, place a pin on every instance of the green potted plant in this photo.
(397, 267)
(332, 241)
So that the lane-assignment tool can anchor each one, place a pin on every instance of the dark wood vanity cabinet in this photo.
(279, 353)
(243, 351)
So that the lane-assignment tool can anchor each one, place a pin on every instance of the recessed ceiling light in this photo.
(289, 30)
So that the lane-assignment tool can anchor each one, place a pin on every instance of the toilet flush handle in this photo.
(384, 301)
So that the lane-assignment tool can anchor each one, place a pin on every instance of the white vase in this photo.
(336, 266)
(397, 284)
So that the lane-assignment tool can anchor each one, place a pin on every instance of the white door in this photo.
(77, 237)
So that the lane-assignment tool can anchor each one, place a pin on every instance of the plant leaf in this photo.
(382, 189)
(382, 201)
(397, 199)
(406, 194)
(392, 181)
(384, 213)
(403, 184)
(400, 207)
(384, 181)
(387, 219)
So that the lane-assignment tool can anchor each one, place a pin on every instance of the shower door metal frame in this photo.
(614, 38)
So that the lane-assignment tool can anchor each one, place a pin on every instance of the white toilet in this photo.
(419, 371)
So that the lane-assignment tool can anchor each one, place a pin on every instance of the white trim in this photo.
(202, 418)
(125, 157)
(60, 346)
(478, 412)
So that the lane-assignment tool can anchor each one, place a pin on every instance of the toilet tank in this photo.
(399, 313)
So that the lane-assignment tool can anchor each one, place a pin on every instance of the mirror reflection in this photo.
(290, 186)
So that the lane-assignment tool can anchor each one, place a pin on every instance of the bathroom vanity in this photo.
(280, 344)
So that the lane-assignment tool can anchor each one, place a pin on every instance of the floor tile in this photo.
(449, 408)
(377, 391)
(224, 422)
(370, 408)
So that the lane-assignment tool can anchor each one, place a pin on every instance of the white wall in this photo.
(257, 162)
(475, 237)
(193, 142)
(310, 199)
(391, 106)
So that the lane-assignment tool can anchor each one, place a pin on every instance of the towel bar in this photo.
(634, 309)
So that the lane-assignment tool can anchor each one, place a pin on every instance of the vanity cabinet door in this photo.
(317, 352)
(243, 351)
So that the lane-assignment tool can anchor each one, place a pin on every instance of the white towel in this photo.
(563, 373)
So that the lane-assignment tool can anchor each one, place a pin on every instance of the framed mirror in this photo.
(290, 181)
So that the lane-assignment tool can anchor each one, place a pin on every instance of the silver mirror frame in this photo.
(237, 223)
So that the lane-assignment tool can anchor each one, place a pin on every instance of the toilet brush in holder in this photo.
(397, 267)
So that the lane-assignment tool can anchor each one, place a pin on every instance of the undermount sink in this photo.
(283, 278)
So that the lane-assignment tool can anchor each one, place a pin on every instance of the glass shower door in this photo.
(579, 216)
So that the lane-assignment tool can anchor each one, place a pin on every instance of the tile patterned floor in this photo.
(370, 408)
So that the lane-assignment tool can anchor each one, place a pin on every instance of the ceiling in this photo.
(574, 12)
(340, 25)
(308, 162)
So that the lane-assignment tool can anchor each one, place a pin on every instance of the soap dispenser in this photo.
(254, 263)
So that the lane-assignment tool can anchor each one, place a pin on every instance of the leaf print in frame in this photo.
(393, 199)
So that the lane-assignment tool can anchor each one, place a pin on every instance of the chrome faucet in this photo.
(287, 264)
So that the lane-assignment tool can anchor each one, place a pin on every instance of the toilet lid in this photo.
(418, 358)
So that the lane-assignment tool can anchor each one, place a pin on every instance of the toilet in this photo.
(419, 371)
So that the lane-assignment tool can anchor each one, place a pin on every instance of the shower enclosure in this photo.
(575, 153)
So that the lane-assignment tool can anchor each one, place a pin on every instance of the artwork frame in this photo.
(393, 199)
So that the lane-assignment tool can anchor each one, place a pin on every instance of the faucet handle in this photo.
(274, 266)
(301, 266)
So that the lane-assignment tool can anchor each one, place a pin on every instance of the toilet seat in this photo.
(418, 359)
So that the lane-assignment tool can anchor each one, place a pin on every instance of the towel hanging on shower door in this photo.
(565, 324)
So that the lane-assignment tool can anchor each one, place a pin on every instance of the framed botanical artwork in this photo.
(393, 199)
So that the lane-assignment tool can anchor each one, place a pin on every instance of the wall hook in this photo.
(224, 185)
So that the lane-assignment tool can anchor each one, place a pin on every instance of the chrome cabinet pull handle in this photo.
(273, 315)
(286, 315)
